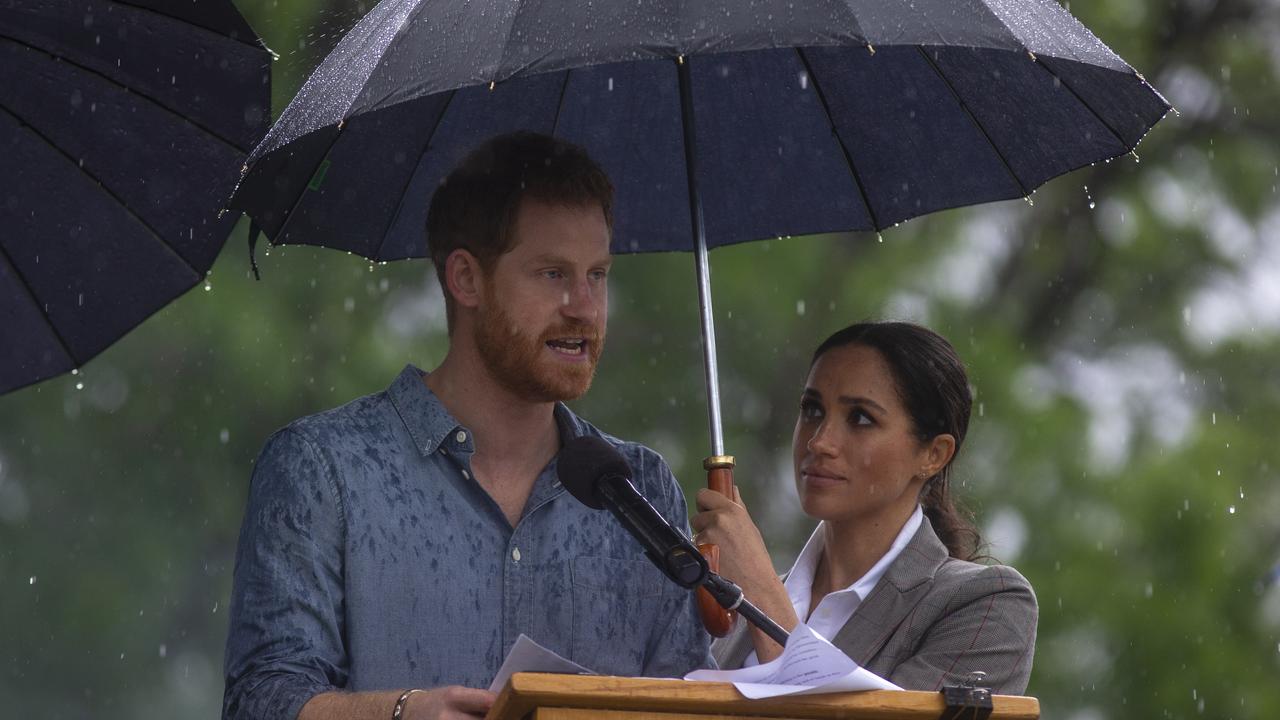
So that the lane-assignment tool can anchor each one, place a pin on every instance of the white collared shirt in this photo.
(837, 607)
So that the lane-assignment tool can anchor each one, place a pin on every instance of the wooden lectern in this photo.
(537, 696)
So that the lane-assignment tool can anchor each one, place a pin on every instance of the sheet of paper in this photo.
(809, 665)
(528, 656)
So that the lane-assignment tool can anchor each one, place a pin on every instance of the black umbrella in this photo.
(742, 119)
(767, 117)
(122, 128)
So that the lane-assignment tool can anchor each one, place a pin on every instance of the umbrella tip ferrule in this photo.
(680, 59)
(493, 84)
(871, 49)
(1031, 55)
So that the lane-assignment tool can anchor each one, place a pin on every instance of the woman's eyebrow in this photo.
(859, 400)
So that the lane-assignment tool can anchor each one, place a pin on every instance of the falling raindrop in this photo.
(1092, 204)
(79, 386)
(1231, 510)
(800, 307)
(32, 581)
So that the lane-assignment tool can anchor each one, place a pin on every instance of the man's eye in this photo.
(599, 274)
(552, 274)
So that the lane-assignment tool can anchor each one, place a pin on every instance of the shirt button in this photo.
(515, 554)
(461, 436)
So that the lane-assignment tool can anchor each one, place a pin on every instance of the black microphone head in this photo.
(583, 461)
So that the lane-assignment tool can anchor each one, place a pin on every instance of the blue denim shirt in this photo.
(370, 559)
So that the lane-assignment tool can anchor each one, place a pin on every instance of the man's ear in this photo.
(464, 278)
(938, 452)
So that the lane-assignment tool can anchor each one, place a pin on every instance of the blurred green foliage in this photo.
(1120, 334)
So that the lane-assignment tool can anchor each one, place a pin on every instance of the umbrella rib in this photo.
(969, 113)
(44, 311)
(404, 192)
(119, 200)
(564, 89)
(293, 208)
(131, 91)
(258, 45)
(1087, 106)
(848, 157)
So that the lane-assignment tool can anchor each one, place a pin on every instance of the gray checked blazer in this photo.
(932, 620)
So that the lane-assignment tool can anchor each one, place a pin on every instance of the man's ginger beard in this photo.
(516, 359)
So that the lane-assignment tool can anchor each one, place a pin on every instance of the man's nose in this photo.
(582, 300)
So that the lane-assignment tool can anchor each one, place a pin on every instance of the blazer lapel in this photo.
(905, 582)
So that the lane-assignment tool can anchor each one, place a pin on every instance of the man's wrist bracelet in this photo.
(398, 710)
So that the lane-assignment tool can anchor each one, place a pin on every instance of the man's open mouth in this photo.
(568, 346)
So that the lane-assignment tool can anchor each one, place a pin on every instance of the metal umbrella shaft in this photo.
(701, 261)
(716, 618)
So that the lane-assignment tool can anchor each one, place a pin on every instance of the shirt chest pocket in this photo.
(615, 608)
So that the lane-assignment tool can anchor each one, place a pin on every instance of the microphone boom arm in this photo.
(730, 597)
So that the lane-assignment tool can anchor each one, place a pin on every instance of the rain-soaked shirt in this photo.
(370, 559)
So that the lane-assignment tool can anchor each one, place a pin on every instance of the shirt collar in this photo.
(431, 425)
(799, 582)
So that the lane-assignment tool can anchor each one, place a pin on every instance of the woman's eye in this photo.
(858, 417)
(810, 410)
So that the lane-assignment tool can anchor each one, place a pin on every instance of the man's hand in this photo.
(453, 702)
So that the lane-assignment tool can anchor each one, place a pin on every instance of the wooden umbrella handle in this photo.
(716, 619)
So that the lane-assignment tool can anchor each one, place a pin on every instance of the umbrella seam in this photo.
(40, 308)
(364, 83)
(972, 118)
(848, 157)
(405, 191)
(119, 200)
(131, 91)
(564, 90)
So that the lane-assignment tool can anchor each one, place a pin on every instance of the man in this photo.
(394, 548)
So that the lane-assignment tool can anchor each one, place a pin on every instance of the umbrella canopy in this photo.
(122, 128)
(815, 116)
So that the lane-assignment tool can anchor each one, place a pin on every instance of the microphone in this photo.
(599, 477)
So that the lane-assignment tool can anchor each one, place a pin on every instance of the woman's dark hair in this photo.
(933, 386)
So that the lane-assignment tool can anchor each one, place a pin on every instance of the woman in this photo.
(888, 575)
